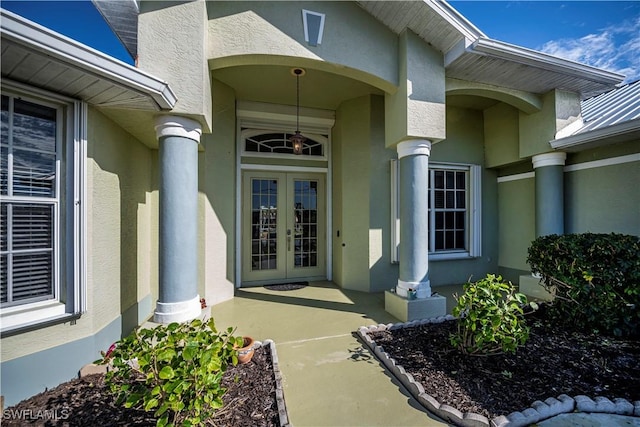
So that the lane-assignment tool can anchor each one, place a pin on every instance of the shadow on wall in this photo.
(124, 169)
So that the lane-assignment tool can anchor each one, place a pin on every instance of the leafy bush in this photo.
(174, 370)
(595, 279)
(490, 318)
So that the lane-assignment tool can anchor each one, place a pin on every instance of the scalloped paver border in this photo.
(283, 414)
(538, 411)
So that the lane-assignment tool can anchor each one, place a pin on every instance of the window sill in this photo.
(449, 256)
(31, 315)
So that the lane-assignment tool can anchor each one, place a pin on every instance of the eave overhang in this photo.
(521, 55)
(502, 64)
(436, 22)
(37, 56)
(621, 132)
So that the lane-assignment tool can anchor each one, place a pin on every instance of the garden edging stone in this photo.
(538, 411)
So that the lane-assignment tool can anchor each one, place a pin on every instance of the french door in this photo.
(283, 226)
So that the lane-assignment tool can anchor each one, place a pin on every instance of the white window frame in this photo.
(249, 133)
(474, 213)
(72, 134)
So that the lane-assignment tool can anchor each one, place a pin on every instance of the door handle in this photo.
(289, 240)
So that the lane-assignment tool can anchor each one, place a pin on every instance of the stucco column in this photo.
(414, 230)
(549, 179)
(178, 223)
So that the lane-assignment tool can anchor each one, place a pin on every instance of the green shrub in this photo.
(595, 279)
(173, 370)
(490, 318)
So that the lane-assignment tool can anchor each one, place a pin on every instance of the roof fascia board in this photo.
(453, 17)
(30, 34)
(574, 142)
(509, 52)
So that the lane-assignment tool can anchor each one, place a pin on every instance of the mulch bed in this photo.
(250, 401)
(554, 361)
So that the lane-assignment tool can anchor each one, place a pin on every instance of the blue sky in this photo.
(601, 33)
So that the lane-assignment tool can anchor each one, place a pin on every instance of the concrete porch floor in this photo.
(329, 377)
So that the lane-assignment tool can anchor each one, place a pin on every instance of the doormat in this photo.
(286, 286)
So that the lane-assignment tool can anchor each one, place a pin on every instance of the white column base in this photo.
(409, 310)
(423, 289)
(168, 312)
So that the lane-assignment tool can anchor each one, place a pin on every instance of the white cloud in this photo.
(614, 48)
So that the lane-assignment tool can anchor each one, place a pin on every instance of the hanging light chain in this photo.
(297, 102)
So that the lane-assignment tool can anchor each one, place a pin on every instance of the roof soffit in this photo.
(37, 56)
(498, 63)
(436, 22)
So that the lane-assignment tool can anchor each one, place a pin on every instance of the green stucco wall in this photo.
(501, 136)
(417, 108)
(516, 230)
(465, 144)
(252, 32)
(173, 45)
(382, 274)
(121, 260)
(362, 197)
(604, 199)
(560, 108)
(217, 207)
(351, 166)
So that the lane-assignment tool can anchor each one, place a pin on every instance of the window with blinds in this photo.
(29, 189)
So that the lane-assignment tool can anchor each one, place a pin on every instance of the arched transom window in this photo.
(269, 142)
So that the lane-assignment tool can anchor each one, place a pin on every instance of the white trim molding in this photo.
(630, 158)
(261, 115)
(280, 168)
(178, 126)
(516, 177)
(549, 159)
(414, 147)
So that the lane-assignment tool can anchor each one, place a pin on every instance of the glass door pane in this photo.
(305, 211)
(264, 224)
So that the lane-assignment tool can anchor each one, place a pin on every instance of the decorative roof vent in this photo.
(313, 27)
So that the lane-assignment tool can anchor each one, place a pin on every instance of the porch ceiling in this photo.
(275, 84)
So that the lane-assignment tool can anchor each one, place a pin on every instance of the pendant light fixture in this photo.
(297, 140)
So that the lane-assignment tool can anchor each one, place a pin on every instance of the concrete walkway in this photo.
(329, 378)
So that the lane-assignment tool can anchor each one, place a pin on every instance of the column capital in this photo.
(556, 158)
(178, 126)
(413, 147)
